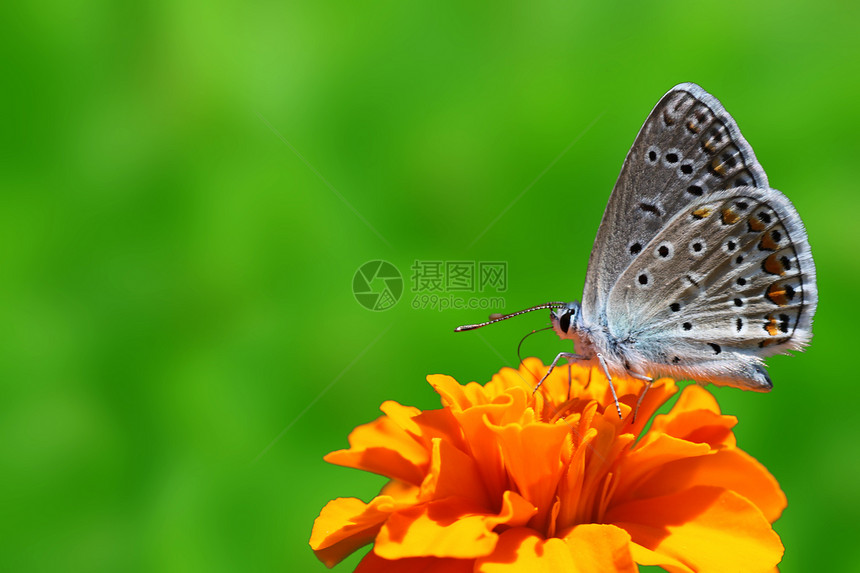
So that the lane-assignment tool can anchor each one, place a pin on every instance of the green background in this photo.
(189, 187)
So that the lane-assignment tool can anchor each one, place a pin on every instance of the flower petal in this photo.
(644, 556)
(373, 563)
(708, 529)
(385, 448)
(532, 461)
(696, 418)
(425, 426)
(587, 548)
(456, 396)
(523, 550)
(732, 469)
(650, 454)
(452, 527)
(600, 547)
(659, 393)
(346, 524)
(453, 473)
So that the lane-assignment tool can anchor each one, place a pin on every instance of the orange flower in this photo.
(501, 479)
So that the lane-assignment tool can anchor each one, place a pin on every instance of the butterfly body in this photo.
(699, 269)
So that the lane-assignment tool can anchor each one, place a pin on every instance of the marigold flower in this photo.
(501, 479)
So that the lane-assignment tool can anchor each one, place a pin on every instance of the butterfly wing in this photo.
(728, 280)
(688, 148)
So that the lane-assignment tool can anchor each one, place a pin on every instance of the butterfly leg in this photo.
(569, 356)
(569, 379)
(649, 381)
(609, 379)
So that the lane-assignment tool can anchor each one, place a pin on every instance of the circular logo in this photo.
(377, 285)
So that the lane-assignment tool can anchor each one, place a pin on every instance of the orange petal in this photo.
(525, 377)
(659, 393)
(425, 425)
(600, 547)
(346, 524)
(729, 469)
(650, 454)
(373, 563)
(385, 448)
(402, 416)
(696, 417)
(456, 396)
(522, 550)
(483, 445)
(706, 528)
(532, 461)
(453, 473)
(588, 548)
(644, 556)
(402, 493)
(695, 397)
(438, 424)
(452, 527)
(516, 510)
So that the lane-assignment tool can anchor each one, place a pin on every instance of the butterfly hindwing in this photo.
(729, 276)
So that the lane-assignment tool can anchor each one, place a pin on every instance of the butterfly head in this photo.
(566, 320)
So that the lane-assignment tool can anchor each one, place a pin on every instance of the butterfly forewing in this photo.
(688, 148)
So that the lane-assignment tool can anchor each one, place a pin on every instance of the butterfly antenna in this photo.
(523, 339)
(520, 345)
(498, 318)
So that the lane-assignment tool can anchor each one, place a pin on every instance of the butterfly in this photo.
(700, 269)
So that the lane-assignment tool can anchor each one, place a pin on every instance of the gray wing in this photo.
(729, 278)
(688, 148)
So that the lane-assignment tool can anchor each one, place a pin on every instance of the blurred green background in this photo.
(189, 187)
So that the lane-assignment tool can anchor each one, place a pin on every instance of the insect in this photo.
(700, 269)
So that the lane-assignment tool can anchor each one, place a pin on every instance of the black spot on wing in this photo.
(649, 208)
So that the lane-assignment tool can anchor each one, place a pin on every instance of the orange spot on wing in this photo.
(754, 224)
(719, 167)
(702, 212)
(773, 265)
(777, 295)
(767, 243)
(772, 341)
(730, 216)
(771, 326)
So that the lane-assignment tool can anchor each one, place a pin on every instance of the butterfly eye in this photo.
(564, 321)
